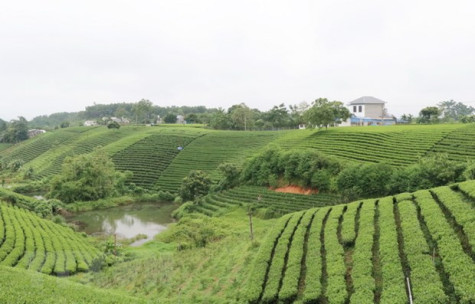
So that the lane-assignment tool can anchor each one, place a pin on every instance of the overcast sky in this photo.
(58, 56)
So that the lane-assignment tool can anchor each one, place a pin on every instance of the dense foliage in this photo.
(87, 177)
(16, 131)
(275, 167)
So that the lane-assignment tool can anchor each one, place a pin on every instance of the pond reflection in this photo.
(127, 221)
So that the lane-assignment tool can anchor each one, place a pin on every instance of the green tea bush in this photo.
(195, 231)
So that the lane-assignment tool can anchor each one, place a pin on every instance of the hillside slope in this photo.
(396, 145)
(152, 153)
(368, 250)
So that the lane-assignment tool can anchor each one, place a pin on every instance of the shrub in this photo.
(230, 173)
(195, 231)
(195, 185)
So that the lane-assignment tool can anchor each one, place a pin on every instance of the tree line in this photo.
(320, 113)
(445, 112)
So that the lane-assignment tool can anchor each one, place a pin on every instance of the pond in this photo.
(127, 221)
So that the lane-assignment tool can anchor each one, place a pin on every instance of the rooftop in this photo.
(366, 100)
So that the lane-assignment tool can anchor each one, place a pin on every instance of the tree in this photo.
(325, 113)
(16, 131)
(429, 115)
(142, 110)
(195, 185)
(241, 116)
(451, 110)
(219, 120)
(170, 118)
(192, 118)
(278, 116)
(3, 125)
(231, 174)
(64, 124)
(113, 125)
(297, 111)
(87, 177)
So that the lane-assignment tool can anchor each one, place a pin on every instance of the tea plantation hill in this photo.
(333, 253)
(152, 154)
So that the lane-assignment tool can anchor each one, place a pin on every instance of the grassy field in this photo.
(216, 273)
(22, 286)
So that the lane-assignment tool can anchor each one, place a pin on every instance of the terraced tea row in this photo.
(84, 144)
(29, 242)
(149, 157)
(207, 152)
(215, 204)
(459, 145)
(35, 147)
(416, 245)
(395, 145)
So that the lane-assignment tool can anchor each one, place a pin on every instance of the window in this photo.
(354, 109)
(360, 109)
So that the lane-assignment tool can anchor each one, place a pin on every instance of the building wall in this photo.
(374, 110)
(357, 110)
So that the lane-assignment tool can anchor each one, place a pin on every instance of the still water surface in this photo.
(127, 221)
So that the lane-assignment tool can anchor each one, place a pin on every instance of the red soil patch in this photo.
(296, 190)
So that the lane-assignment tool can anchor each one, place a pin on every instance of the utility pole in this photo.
(250, 222)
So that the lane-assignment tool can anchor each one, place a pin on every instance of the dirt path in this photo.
(295, 190)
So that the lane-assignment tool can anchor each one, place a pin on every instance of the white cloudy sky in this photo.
(65, 55)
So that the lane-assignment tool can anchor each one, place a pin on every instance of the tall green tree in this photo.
(220, 120)
(242, 117)
(278, 116)
(170, 118)
(429, 115)
(17, 131)
(142, 111)
(324, 113)
(87, 177)
(452, 110)
(297, 111)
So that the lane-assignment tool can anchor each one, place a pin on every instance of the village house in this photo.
(35, 132)
(90, 123)
(180, 119)
(368, 111)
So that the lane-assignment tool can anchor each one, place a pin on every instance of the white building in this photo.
(368, 111)
(90, 123)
